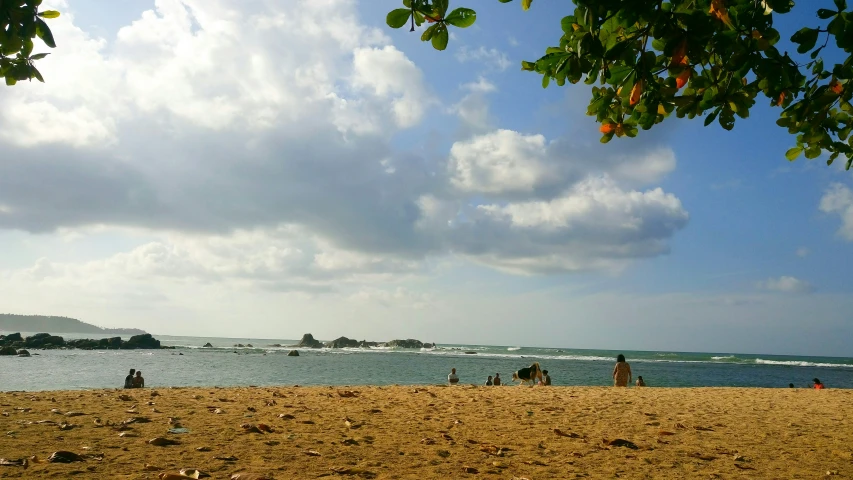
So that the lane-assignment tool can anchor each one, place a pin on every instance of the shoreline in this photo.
(431, 431)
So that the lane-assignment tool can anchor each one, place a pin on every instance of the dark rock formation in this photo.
(239, 345)
(207, 345)
(409, 343)
(23, 353)
(293, 353)
(249, 345)
(8, 351)
(343, 342)
(45, 341)
(275, 345)
(145, 341)
(308, 341)
(429, 345)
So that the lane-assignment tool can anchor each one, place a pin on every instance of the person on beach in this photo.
(128, 380)
(817, 384)
(138, 381)
(497, 381)
(790, 385)
(640, 382)
(489, 381)
(452, 378)
(546, 379)
(621, 372)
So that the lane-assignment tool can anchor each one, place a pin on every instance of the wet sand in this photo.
(434, 432)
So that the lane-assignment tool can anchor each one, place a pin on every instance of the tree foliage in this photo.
(649, 59)
(20, 23)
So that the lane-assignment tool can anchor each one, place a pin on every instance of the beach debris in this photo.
(265, 428)
(830, 473)
(63, 456)
(739, 458)
(218, 411)
(162, 442)
(173, 476)
(351, 441)
(136, 420)
(680, 425)
(251, 409)
(664, 433)
(286, 416)
(23, 409)
(499, 465)
(492, 449)
(194, 473)
(125, 398)
(428, 441)
(173, 420)
(230, 458)
(271, 403)
(620, 442)
(312, 453)
(307, 422)
(707, 458)
(536, 462)
(203, 449)
(249, 476)
(56, 411)
(21, 462)
(468, 469)
(703, 429)
(66, 426)
(353, 471)
(564, 434)
(151, 468)
(250, 428)
(447, 437)
(178, 430)
(443, 453)
(127, 435)
(743, 467)
(350, 393)
(155, 393)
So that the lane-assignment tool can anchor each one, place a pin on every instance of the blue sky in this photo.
(346, 179)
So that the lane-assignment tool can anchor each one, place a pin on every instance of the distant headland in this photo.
(41, 323)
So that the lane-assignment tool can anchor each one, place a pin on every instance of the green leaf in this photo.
(525, 4)
(37, 74)
(793, 153)
(43, 32)
(841, 4)
(10, 80)
(824, 13)
(806, 37)
(429, 32)
(39, 56)
(397, 18)
(439, 40)
(462, 17)
(546, 80)
(441, 7)
(49, 14)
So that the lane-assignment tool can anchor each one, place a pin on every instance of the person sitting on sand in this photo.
(497, 381)
(621, 372)
(817, 384)
(452, 378)
(489, 381)
(128, 380)
(640, 382)
(546, 379)
(138, 381)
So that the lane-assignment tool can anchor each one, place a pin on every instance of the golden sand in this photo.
(435, 432)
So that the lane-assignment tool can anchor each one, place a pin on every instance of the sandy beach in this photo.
(432, 432)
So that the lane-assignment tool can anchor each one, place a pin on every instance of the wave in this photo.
(725, 357)
(796, 363)
(513, 349)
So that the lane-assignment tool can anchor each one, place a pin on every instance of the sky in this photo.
(265, 169)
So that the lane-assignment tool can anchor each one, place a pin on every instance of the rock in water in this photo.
(309, 341)
(293, 353)
(146, 341)
(207, 345)
(23, 353)
(8, 351)
(44, 340)
(409, 343)
(343, 342)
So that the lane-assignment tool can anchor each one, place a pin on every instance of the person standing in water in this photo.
(138, 381)
(640, 381)
(452, 379)
(621, 372)
(497, 381)
(489, 381)
(128, 380)
(546, 379)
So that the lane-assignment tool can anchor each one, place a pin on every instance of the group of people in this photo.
(816, 384)
(134, 381)
(622, 376)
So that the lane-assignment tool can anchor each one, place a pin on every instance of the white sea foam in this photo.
(725, 357)
(513, 349)
(795, 363)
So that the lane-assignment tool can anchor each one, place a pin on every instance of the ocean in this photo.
(225, 365)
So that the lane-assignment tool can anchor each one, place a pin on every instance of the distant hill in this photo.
(40, 323)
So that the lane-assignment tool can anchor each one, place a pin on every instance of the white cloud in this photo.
(786, 284)
(803, 252)
(491, 57)
(838, 199)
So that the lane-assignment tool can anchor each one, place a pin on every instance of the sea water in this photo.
(189, 364)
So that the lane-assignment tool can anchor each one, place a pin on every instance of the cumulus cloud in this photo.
(786, 284)
(491, 57)
(269, 163)
(838, 199)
